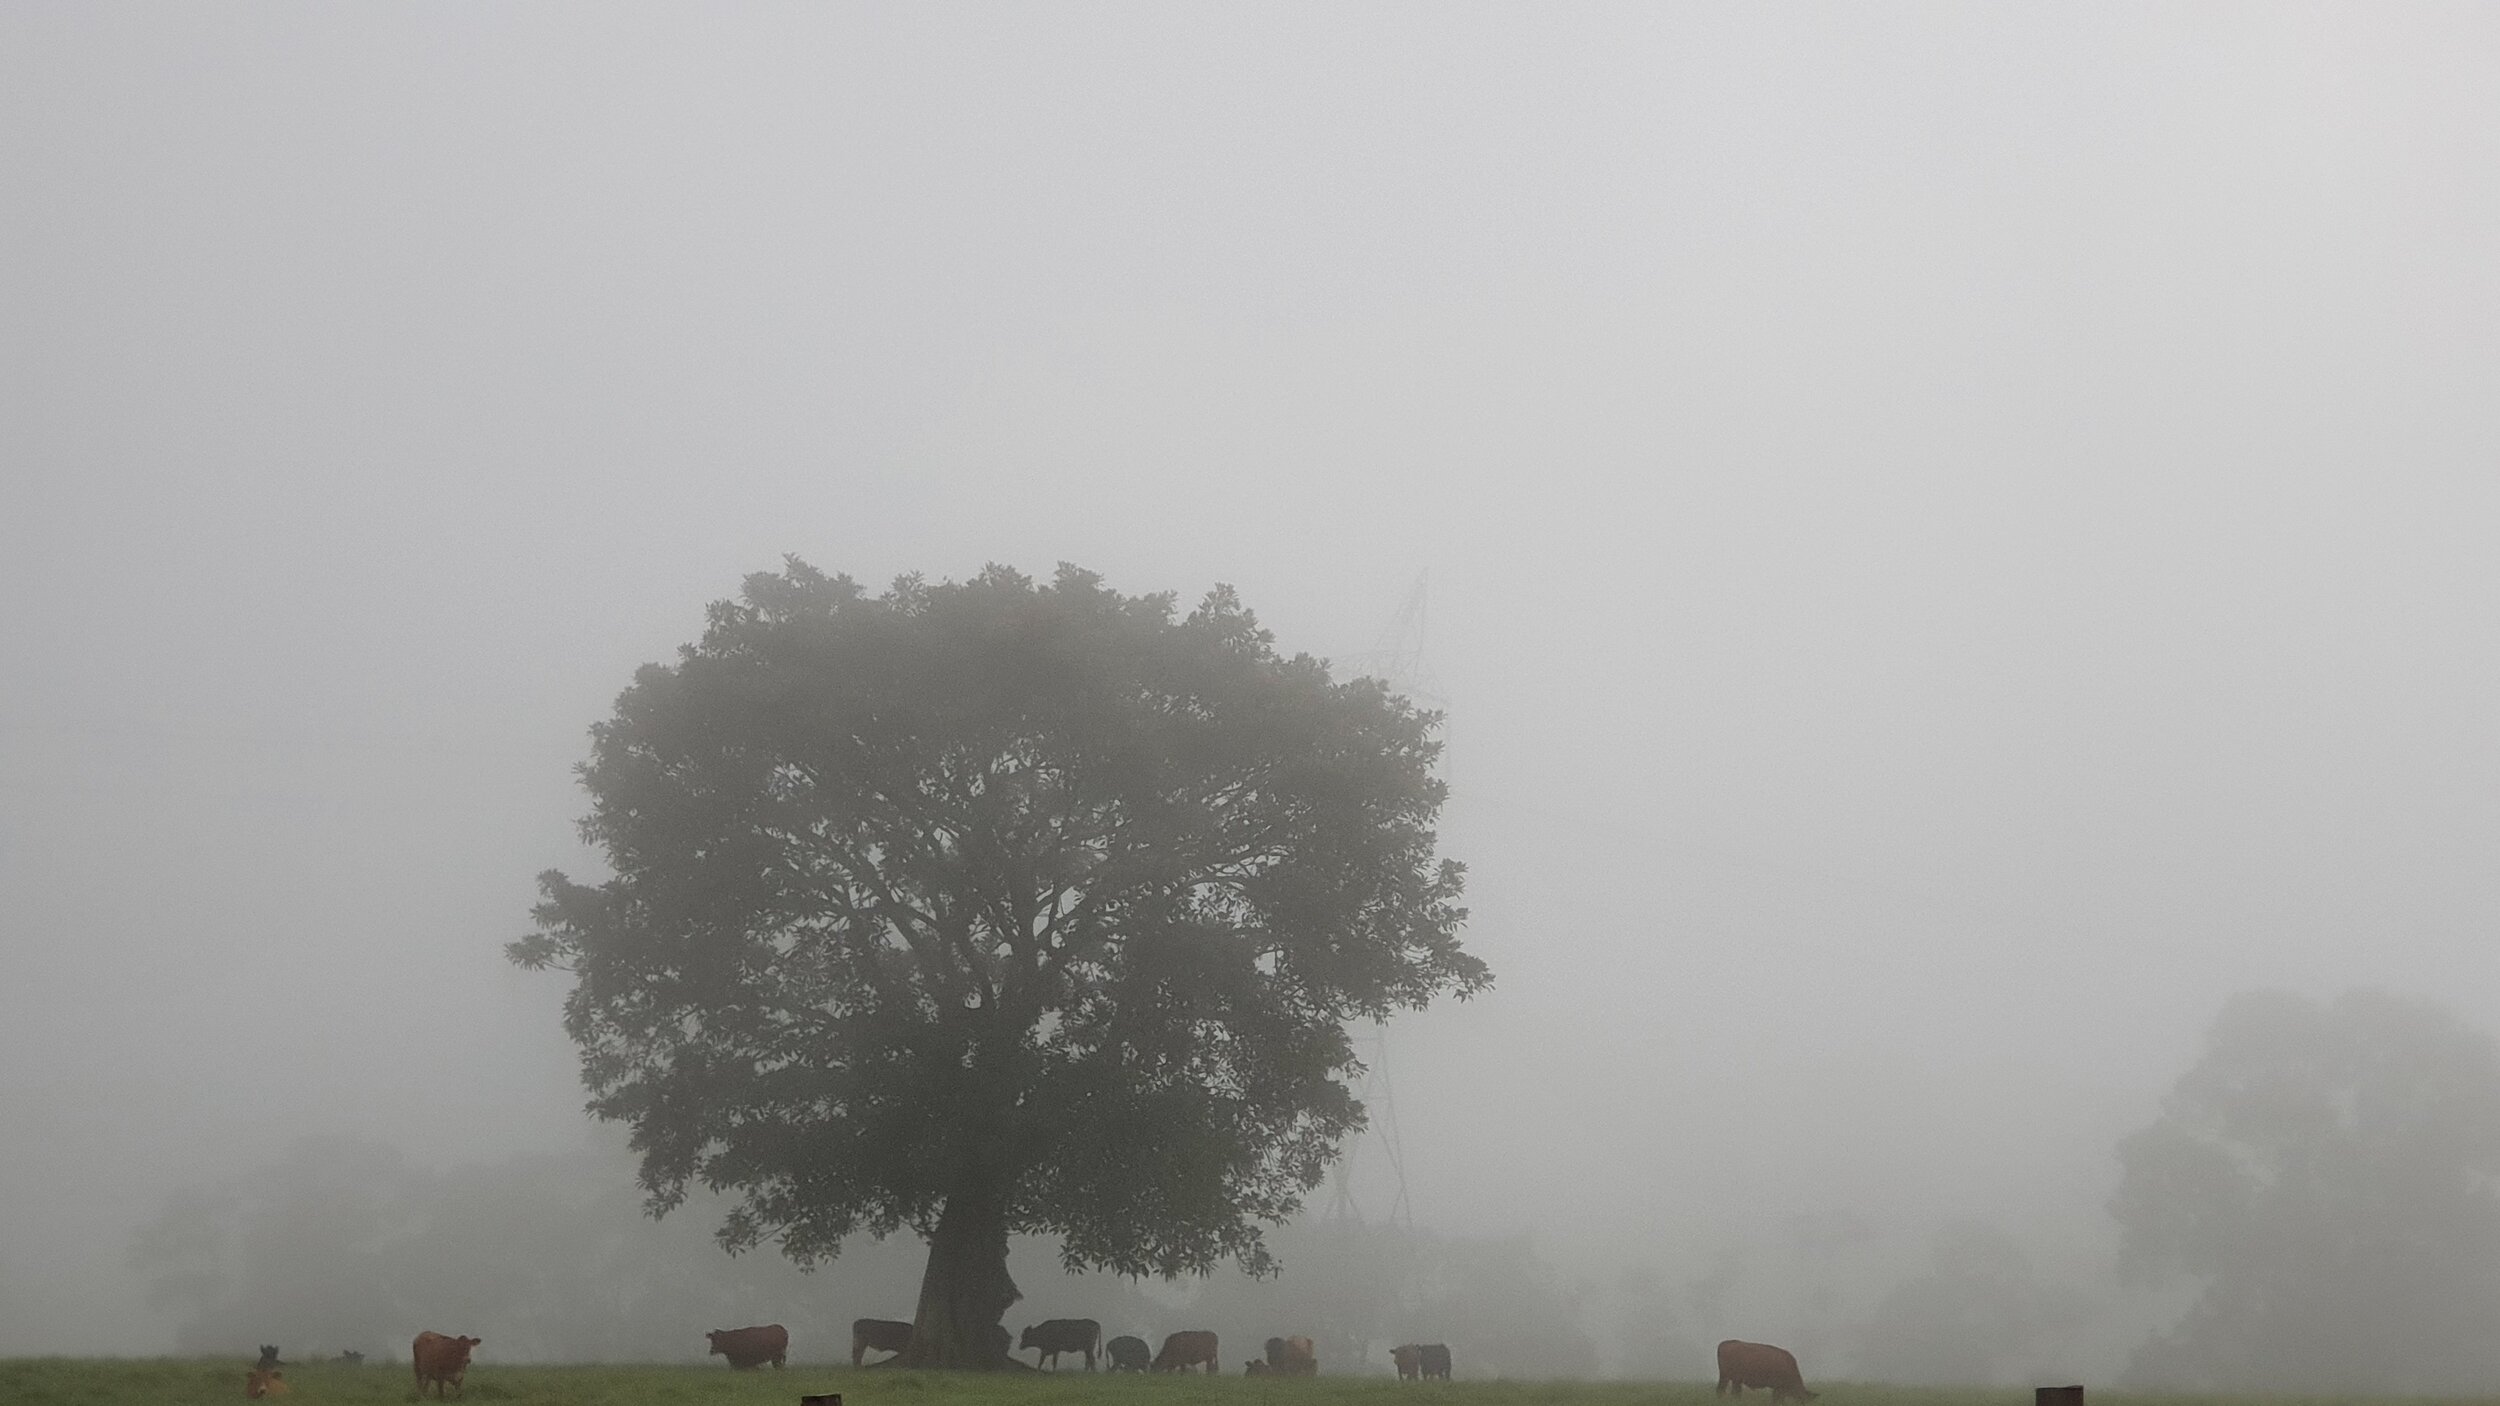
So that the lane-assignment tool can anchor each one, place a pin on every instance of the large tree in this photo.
(997, 907)
(2330, 1176)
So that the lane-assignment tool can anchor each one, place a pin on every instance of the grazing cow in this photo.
(442, 1361)
(1743, 1364)
(262, 1382)
(749, 1348)
(1062, 1335)
(1292, 1357)
(1187, 1349)
(1127, 1354)
(877, 1335)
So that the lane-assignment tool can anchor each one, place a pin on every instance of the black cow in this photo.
(1062, 1335)
(1128, 1354)
(1429, 1361)
(877, 1335)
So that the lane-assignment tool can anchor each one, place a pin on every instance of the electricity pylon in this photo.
(1397, 660)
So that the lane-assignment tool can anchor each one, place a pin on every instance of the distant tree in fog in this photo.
(1971, 1316)
(1503, 1310)
(347, 1244)
(2331, 1176)
(301, 1245)
(1653, 1337)
(992, 908)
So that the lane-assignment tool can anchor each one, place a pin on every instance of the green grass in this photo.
(57, 1381)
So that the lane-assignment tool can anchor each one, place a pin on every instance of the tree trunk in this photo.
(966, 1289)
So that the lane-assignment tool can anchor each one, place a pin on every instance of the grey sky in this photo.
(1959, 536)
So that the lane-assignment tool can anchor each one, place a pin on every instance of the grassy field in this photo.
(180, 1382)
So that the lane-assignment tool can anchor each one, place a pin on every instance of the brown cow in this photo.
(1292, 1357)
(442, 1361)
(877, 1335)
(1060, 1335)
(260, 1382)
(1743, 1364)
(1186, 1349)
(749, 1348)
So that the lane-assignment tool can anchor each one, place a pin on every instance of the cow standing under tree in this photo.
(878, 1335)
(1744, 1364)
(1059, 1335)
(749, 1348)
(1186, 1349)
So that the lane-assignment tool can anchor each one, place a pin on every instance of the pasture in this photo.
(196, 1382)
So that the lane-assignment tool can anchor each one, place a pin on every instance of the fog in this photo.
(1952, 541)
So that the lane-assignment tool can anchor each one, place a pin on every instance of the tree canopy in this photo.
(997, 907)
(2330, 1174)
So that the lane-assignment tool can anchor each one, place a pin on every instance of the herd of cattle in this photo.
(1181, 1351)
(442, 1362)
(1741, 1364)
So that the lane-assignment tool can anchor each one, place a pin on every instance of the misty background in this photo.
(1954, 541)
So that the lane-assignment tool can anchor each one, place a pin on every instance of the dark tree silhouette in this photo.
(994, 907)
(2331, 1175)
